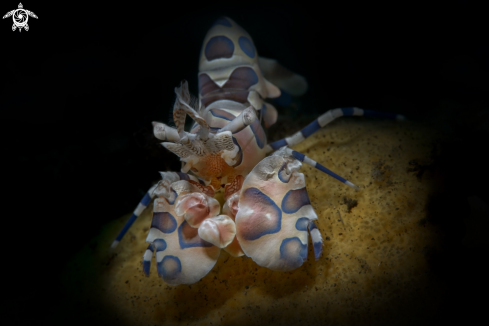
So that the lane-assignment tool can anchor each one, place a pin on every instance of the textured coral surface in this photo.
(374, 269)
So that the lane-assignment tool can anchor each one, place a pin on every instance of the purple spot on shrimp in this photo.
(302, 224)
(265, 217)
(189, 237)
(293, 252)
(247, 46)
(164, 221)
(294, 200)
(241, 78)
(159, 244)
(219, 47)
(169, 268)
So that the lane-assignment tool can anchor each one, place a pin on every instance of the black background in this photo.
(80, 89)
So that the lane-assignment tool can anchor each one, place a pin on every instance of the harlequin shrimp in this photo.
(266, 212)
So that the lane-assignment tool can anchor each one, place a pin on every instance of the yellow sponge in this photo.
(373, 270)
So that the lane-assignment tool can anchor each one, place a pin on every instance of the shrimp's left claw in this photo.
(195, 207)
(182, 256)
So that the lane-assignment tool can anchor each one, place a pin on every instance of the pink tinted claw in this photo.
(219, 230)
(194, 205)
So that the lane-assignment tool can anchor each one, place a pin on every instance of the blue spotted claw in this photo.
(275, 214)
(182, 256)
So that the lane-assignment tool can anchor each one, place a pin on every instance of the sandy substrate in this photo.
(374, 270)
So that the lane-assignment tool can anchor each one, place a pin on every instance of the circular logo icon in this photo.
(20, 18)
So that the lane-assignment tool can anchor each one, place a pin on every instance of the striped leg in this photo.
(147, 257)
(317, 239)
(323, 120)
(142, 205)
